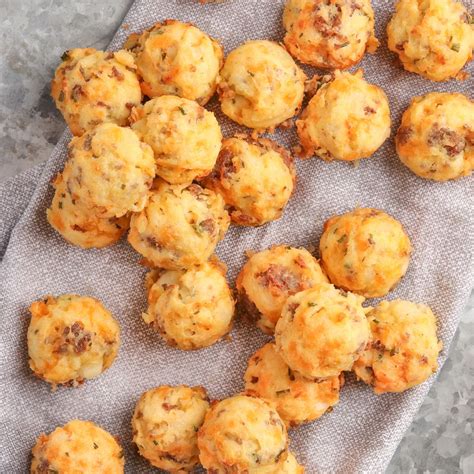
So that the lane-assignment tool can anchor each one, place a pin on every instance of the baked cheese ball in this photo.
(260, 85)
(329, 35)
(92, 87)
(77, 447)
(347, 119)
(185, 137)
(285, 466)
(175, 58)
(322, 331)
(433, 38)
(436, 136)
(109, 170)
(365, 251)
(256, 178)
(191, 308)
(242, 434)
(269, 277)
(165, 424)
(297, 399)
(71, 338)
(404, 348)
(180, 227)
(81, 226)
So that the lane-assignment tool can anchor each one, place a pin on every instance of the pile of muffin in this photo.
(160, 169)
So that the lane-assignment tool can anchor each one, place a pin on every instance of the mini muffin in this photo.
(322, 331)
(92, 87)
(175, 58)
(78, 446)
(270, 277)
(184, 136)
(404, 348)
(180, 227)
(297, 399)
(109, 170)
(329, 35)
(261, 85)
(347, 119)
(433, 38)
(81, 226)
(436, 136)
(191, 308)
(242, 434)
(365, 251)
(255, 177)
(165, 424)
(71, 338)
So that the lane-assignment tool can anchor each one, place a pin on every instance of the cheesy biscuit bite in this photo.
(71, 338)
(180, 227)
(242, 434)
(269, 277)
(404, 348)
(78, 446)
(165, 424)
(191, 308)
(92, 87)
(184, 136)
(109, 170)
(347, 119)
(433, 38)
(255, 177)
(81, 226)
(365, 251)
(261, 86)
(175, 58)
(329, 35)
(322, 331)
(436, 137)
(297, 399)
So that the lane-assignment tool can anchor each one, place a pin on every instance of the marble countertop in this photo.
(34, 35)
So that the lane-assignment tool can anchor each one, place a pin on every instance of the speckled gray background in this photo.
(34, 33)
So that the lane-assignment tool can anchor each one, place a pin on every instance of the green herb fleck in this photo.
(65, 56)
(123, 186)
(456, 47)
(311, 304)
(394, 351)
(60, 204)
(155, 442)
(120, 455)
(343, 45)
(279, 393)
(96, 446)
(251, 73)
(342, 239)
(376, 321)
(182, 110)
(163, 55)
(371, 239)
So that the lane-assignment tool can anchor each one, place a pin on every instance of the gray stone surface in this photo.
(34, 33)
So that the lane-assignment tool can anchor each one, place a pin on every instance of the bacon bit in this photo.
(299, 260)
(88, 143)
(208, 225)
(369, 110)
(101, 104)
(169, 406)
(116, 73)
(404, 134)
(129, 105)
(400, 46)
(247, 307)
(424, 360)
(254, 379)
(448, 139)
(225, 166)
(281, 278)
(77, 92)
